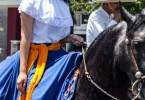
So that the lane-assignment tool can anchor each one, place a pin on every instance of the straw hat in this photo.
(102, 1)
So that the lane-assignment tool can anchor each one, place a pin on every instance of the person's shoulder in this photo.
(95, 15)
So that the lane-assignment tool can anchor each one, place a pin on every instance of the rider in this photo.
(107, 15)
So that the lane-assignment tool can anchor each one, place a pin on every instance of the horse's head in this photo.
(130, 49)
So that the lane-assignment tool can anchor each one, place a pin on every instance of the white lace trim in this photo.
(53, 12)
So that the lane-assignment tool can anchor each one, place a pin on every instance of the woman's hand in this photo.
(21, 82)
(77, 40)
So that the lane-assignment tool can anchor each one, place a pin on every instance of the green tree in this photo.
(132, 7)
(135, 7)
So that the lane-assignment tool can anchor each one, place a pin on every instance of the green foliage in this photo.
(135, 7)
(78, 5)
(132, 7)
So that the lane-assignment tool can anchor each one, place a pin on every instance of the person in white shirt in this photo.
(107, 15)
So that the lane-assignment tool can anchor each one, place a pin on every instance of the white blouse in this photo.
(98, 21)
(52, 19)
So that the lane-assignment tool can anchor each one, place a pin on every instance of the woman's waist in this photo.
(56, 43)
(44, 41)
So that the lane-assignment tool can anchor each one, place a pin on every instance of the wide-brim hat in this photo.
(103, 1)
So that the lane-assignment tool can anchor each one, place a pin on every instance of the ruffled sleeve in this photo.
(30, 7)
(53, 12)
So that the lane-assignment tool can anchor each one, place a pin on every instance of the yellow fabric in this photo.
(42, 51)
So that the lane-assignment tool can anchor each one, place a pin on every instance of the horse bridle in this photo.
(138, 75)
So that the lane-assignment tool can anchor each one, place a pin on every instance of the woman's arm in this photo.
(75, 39)
(26, 35)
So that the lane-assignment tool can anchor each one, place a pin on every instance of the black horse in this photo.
(111, 60)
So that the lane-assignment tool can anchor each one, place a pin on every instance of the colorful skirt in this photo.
(57, 82)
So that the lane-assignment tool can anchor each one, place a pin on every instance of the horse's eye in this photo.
(138, 43)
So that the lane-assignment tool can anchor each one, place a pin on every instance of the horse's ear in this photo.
(126, 16)
(143, 12)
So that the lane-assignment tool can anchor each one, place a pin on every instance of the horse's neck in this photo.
(99, 57)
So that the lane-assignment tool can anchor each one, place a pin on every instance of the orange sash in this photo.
(42, 51)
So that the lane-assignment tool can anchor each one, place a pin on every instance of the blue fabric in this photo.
(57, 77)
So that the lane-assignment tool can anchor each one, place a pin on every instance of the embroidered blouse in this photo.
(52, 19)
